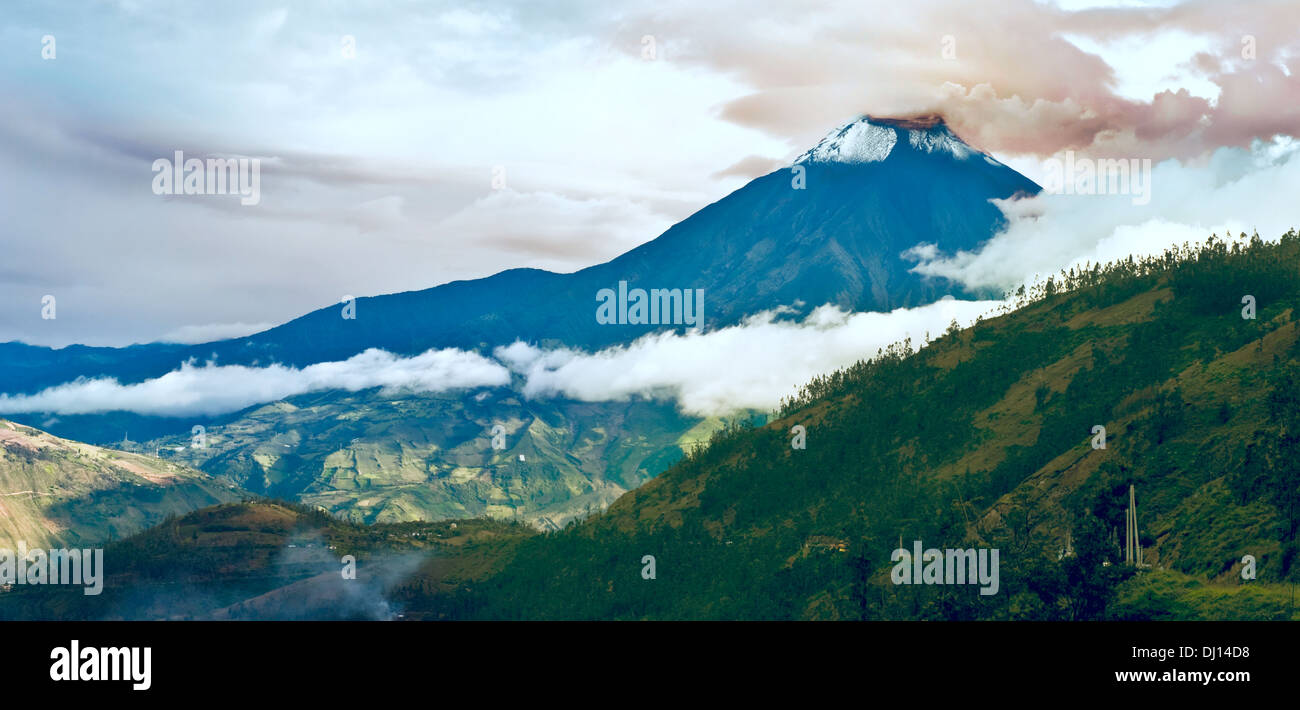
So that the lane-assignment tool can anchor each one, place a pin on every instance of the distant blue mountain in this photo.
(871, 189)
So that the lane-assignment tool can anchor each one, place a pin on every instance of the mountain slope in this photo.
(835, 235)
(59, 492)
(982, 439)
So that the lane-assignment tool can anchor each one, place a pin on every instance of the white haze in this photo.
(196, 334)
(748, 366)
(218, 389)
(1233, 191)
(752, 365)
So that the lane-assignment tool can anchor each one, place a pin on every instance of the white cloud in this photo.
(752, 365)
(217, 389)
(749, 366)
(1234, 191)
(363, 158)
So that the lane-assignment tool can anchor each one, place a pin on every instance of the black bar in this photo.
(332, 660)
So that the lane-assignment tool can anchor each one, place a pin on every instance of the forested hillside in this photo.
(984, 438)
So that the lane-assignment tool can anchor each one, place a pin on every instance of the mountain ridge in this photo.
(847, 224)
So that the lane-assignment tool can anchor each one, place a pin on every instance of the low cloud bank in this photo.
(751, 365)
(219, 389)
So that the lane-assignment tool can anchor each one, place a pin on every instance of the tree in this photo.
(1282, 477)
(1091, 576)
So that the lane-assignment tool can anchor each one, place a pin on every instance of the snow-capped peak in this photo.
(869, 139)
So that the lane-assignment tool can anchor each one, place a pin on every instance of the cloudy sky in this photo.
(382, 126)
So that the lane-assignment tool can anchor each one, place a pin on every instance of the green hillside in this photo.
(984, 438)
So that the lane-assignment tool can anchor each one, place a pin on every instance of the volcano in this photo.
(830, 228)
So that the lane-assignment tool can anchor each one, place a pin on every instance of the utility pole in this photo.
(1132, 544)
(1137, 541)
(1128, 529)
